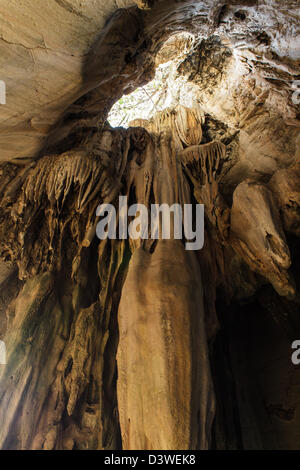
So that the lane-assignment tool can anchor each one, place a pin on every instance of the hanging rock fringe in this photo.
(203, 161)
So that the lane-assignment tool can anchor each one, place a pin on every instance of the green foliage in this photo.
(143, 102)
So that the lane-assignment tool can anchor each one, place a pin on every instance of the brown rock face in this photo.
(285, 185)
(141, 343)
(165, 393)
(145, 4)
(263, 245)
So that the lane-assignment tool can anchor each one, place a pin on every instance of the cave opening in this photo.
(165, 90)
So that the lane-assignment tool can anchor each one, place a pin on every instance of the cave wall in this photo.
(80, 360)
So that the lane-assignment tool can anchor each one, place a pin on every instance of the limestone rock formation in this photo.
(263, 245)
(139, 343)
(165, 393)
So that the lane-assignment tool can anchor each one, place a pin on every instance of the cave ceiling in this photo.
(56, 53)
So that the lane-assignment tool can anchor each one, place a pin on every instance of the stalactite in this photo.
(141, 311)
(60, 193)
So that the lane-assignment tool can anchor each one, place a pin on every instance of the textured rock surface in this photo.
(165, 393)
(43, 48)
(76, 313)
(68, 51)
(263, 245)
